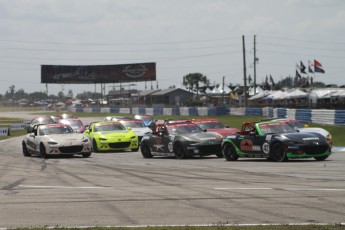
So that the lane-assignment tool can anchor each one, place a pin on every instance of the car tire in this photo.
(229, 152)
(179, 151)
(277, 153)
(43, 152)
(220, 155)
(85, 155)
(145, 150)
(321, 158)
(94, 146)
(26, 152)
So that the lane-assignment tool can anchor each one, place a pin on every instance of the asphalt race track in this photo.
(124, 189)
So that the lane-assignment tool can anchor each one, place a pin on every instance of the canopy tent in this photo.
(276, 95)
(297, 93)
(259, 95)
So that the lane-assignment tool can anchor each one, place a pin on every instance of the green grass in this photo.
(6, 123)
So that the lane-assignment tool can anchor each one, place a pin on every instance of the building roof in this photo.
(166, 91)
(147, 92)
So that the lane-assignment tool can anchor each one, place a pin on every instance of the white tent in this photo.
(259, 95)
(296, 94)
(276, 95)
(216, 90)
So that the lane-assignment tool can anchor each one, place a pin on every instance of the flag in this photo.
(318, 67)
(309, 67)
(297, 74)
(272, 81)
(302, 69)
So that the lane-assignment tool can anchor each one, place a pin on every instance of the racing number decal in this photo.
(266, 148)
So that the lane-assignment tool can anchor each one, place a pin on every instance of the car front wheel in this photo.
(145, 150)
(43, 151)
(278, 154)
(26, 152)
(85, 155)
(179, 151)
(94, 146)
(229, 152)
(321, 158)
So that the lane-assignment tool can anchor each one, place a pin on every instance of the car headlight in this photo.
(85, 140)
(103, 139)
(133, 137)
(52, 143)
(329, 137)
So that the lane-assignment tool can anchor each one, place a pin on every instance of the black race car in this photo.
(275, 141)
(180, 140)
(38, 120)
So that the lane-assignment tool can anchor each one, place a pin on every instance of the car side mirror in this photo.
(32, 135)
(204, 130)
(161, 134)
(129, 128)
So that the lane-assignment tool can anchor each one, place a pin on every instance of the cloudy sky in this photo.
(181, 36)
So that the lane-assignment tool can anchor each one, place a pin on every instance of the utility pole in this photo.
(255, 59)
(244, 72)
(223, 91)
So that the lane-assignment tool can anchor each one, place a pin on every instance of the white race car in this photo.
(137, 126)
(55, 139)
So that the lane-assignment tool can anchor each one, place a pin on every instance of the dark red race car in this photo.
(214, 125)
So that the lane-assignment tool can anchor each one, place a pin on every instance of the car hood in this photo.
(142, 131)
(69, 139)
(224, 132)
(322, 131)
(305, 137)
(200, 137)
(117, 134)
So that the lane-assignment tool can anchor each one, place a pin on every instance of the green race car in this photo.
(275, 141)
(111, 135)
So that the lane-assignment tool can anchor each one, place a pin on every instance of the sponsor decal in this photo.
(208, 138)
(268, 137)
(246, 145)
(266, 148)
(172, 137)
(256, 148)
(135, 71)
(231, 137)
(310, 138)
(158, 147)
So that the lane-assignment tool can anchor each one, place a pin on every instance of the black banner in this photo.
(64, 74)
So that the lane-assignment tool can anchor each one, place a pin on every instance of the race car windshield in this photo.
(211, 125)
(296, 125)
(111, 127)
(133, 124)
(55, 130)
(276, 128)
(183, 129)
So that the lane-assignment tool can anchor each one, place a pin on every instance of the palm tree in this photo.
(192, 81)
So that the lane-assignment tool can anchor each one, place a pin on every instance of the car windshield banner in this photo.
(64, 74)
